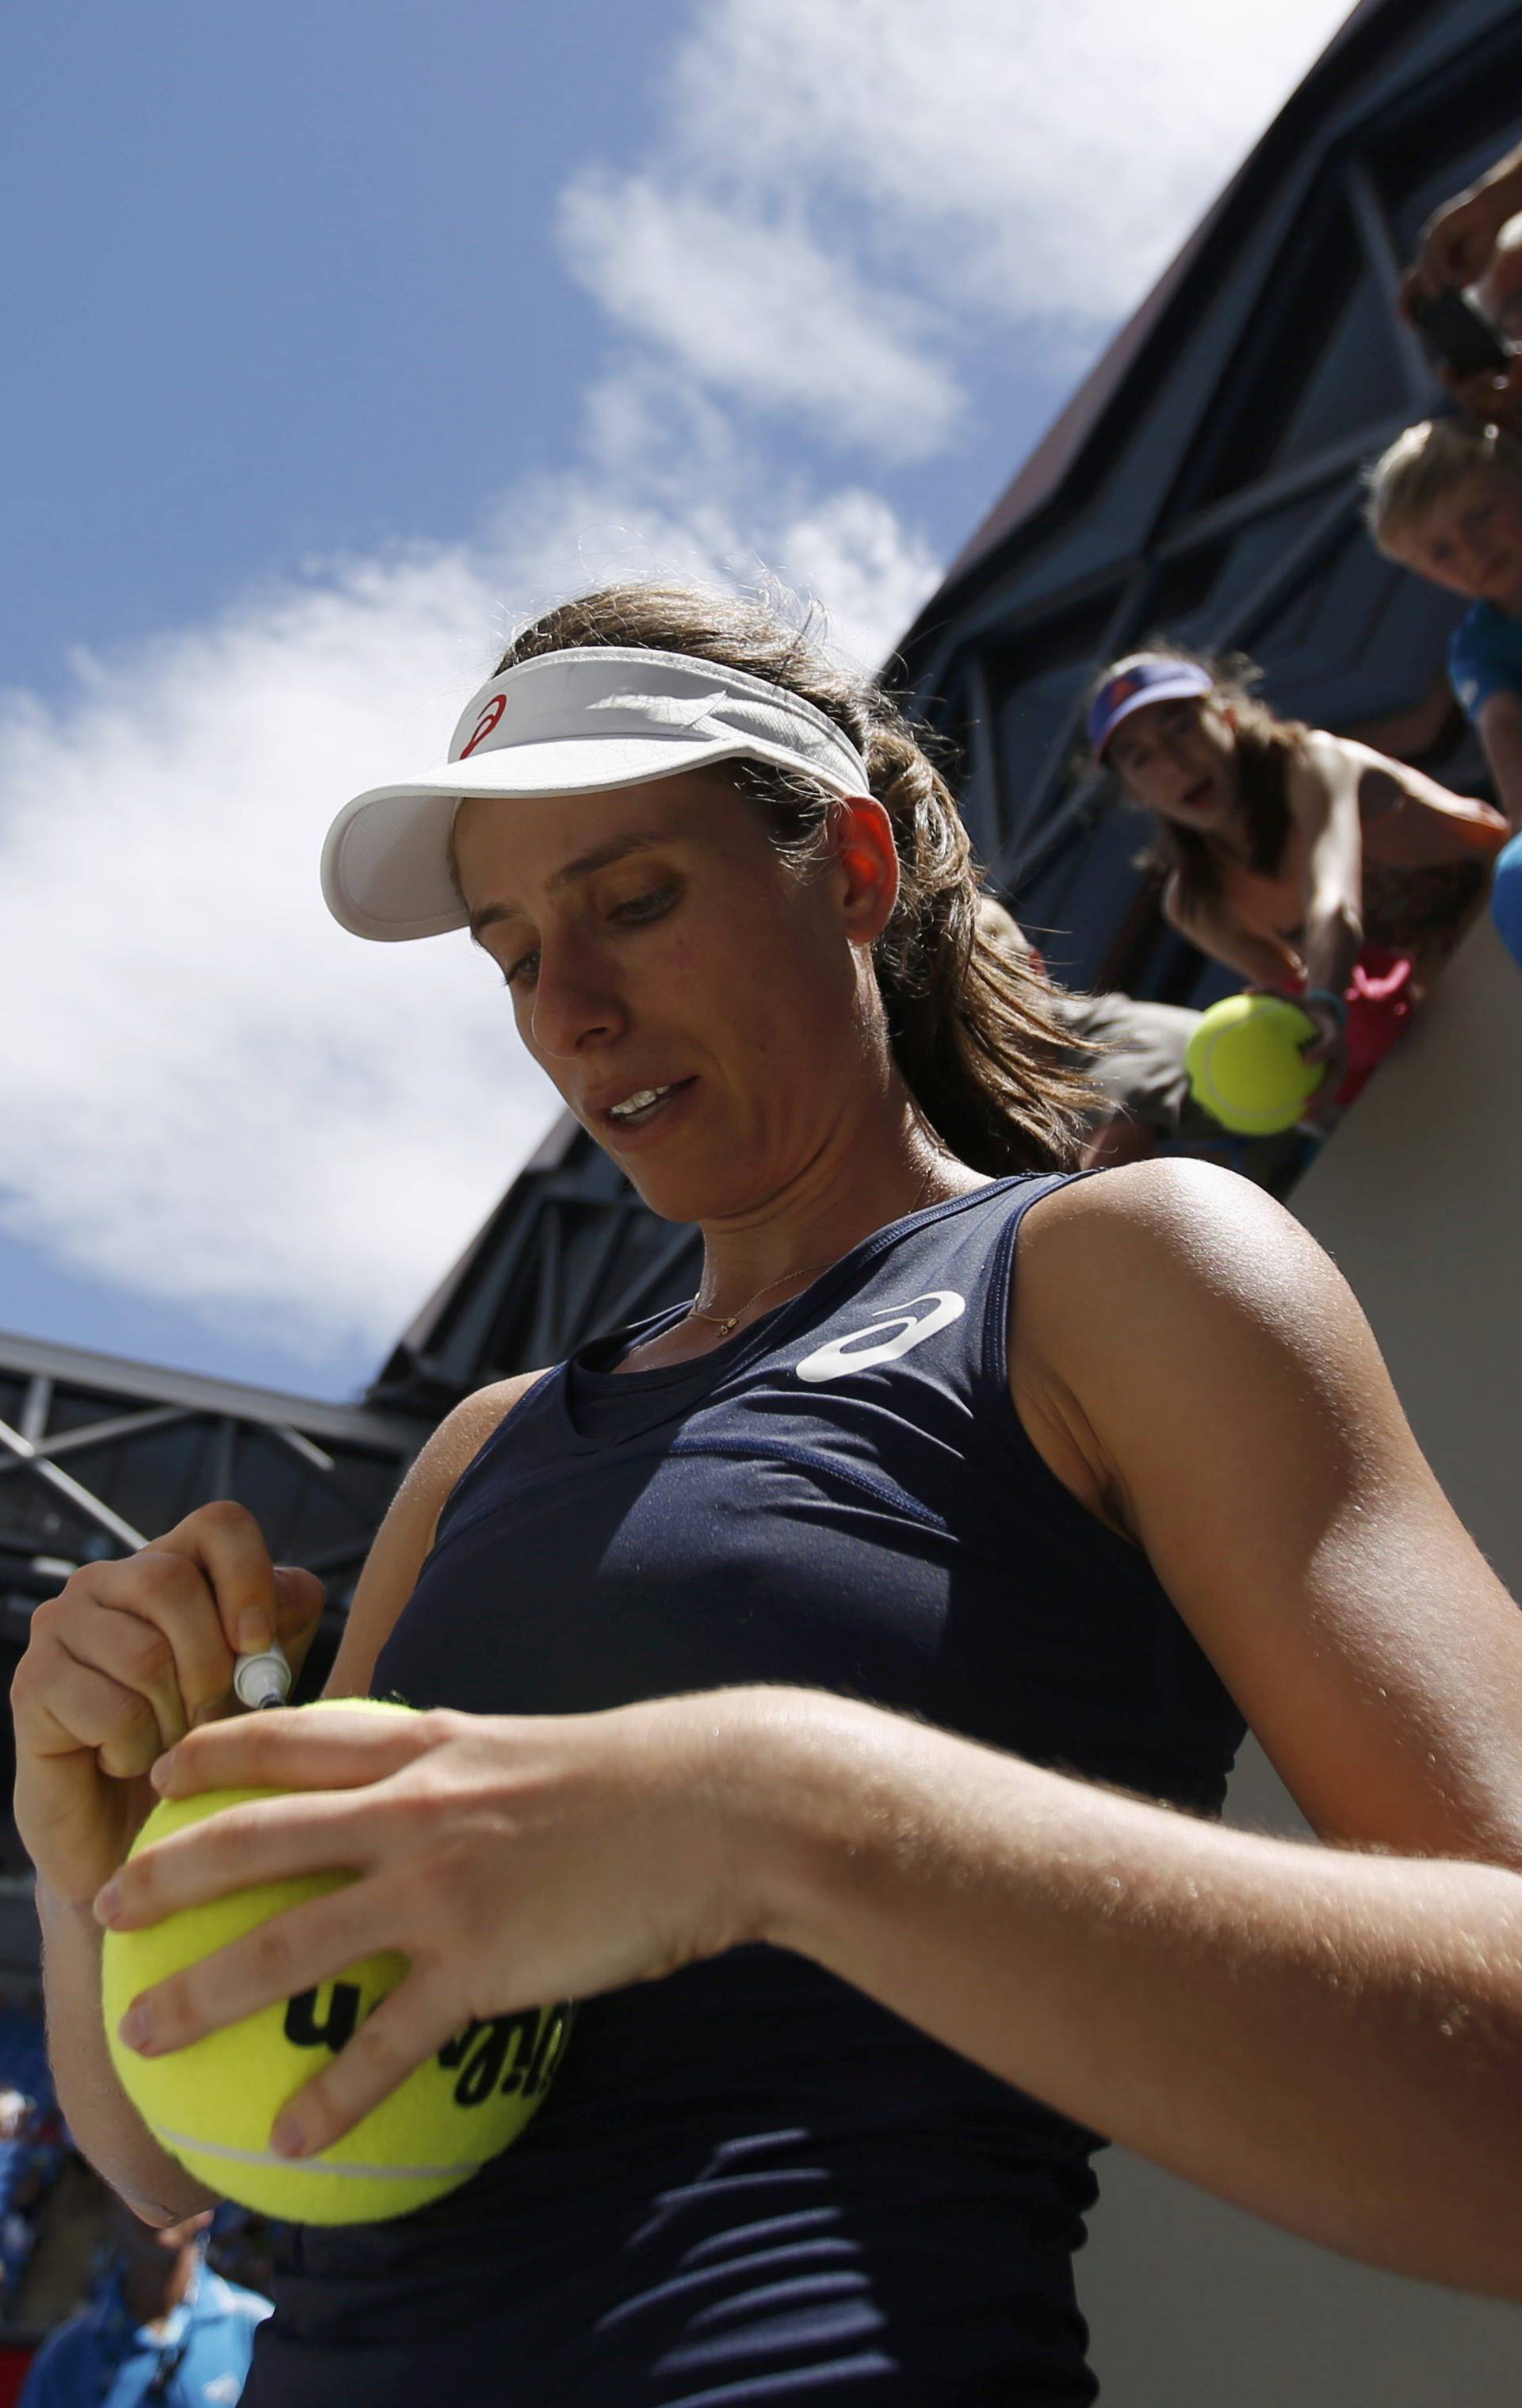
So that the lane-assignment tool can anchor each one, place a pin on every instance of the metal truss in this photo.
(99, 1456)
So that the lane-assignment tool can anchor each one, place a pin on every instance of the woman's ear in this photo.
(867, 866)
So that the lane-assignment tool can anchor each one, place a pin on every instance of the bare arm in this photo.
(1500, 733)
(116, 1668)
(1323, 797)
(102, 2120)
(200, 1579)
(104, 2123)
(1259, 960)
(1329, 2040)
(1209, 1368)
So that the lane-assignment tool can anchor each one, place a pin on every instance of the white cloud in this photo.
(221, 1097)
(845, 185)
(853, 551)
(750, 303)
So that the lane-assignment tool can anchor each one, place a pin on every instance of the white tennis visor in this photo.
(572, 723)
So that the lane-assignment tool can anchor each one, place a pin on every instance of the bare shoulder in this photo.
(1119, 1280)
(1167, 1305)
(1323, 765)
(1151, 1259)
(404, 1537)
(1170, 1202)
(1384, 781)
(462, 1433)
(1329, 765)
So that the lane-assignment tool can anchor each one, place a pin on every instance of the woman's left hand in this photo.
(513, 1860)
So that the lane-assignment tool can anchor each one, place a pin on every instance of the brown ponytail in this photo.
(972, 1026)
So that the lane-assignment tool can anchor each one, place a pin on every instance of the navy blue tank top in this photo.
(750, 2183)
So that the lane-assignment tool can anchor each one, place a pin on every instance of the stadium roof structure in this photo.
(99, 1456)
(1040, 477)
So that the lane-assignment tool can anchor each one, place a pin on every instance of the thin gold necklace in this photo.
(725, 1322)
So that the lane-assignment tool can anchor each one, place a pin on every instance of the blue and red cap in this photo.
(1152, 677)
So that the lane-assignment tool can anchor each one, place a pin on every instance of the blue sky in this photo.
(349, 334)
(291, 288)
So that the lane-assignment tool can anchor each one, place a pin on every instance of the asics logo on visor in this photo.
(896, 1329)
(484, 726)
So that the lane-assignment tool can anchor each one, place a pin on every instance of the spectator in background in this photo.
(1475, 240)
(1446, 499)
(1304, 861)
(32, 2147)
(1459, 240)
(160, 2326)
(1506, 899)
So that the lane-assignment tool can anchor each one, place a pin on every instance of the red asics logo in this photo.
(484, 726)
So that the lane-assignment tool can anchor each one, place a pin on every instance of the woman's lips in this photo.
(673, 1096)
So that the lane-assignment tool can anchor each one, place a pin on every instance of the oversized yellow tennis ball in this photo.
(212, 2105)
(1245, 1066)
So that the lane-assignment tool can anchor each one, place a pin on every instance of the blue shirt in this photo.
(1484, 657)
(99, 2359)
(1506, 897)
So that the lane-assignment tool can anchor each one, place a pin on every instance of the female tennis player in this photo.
(808, 1673)
(1310, 864)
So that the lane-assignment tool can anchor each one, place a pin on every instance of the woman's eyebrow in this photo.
(585, 865)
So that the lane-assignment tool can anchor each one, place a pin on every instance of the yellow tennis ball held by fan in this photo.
(1245, 1066)
(212, 2105)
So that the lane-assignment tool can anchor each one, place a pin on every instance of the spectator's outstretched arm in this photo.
(1458, 240)
(1500, 733)
(1324, 800)
(1257, 959)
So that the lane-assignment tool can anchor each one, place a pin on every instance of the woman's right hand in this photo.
(129, 1656)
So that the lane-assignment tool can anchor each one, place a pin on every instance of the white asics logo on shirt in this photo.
(896, 1327)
